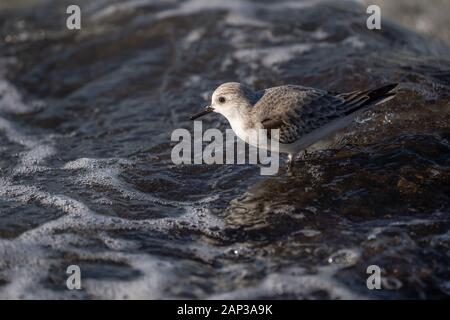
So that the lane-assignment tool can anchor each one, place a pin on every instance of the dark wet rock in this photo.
(86, 119)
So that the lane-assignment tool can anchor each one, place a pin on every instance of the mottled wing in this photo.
(296, 110)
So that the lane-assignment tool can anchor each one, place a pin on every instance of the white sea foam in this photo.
(11, 100)
(271, 56)
(37, 149)
(345, 257)
(292, 282)
(194, 36)
(309, 232)
(354, 41)
(238, 12)
(26, 265)
(320, 34)
(102, 11)
(91, 163)
(154, 282)
(102, 172)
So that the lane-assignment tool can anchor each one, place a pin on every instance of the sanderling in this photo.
(306, 117)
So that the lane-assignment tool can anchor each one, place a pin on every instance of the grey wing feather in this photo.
(297, 111)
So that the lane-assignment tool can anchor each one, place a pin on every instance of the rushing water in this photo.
(86, 176)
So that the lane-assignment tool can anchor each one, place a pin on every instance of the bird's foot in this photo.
(290, 164)
(303, 155)
(291, 161)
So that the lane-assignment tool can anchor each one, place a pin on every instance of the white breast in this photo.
(249, 135)
(239, 130)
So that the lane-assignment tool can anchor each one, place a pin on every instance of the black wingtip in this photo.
(357, 100)
(384, 90)
(390, 86)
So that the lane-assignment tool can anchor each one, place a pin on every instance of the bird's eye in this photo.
(221, 99)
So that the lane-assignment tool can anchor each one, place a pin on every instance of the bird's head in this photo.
(230, 99)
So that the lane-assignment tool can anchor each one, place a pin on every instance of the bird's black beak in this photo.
(207, 110)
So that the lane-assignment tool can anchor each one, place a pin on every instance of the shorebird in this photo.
(307, 118)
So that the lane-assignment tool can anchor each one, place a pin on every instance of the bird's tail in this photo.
(353, 101)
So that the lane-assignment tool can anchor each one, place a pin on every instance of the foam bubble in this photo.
(355, 42)
(10, 99)
(345, 257)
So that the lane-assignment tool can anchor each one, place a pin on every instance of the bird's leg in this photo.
(290, 161)
(305, 154)
(302, 155)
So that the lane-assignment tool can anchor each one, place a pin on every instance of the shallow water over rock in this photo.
(87, 178)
